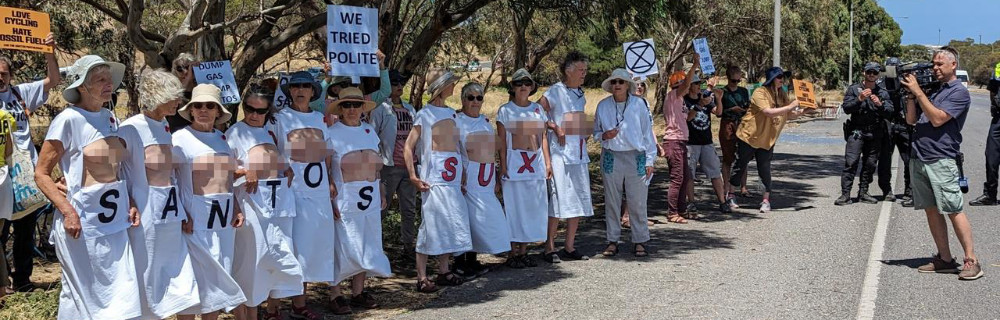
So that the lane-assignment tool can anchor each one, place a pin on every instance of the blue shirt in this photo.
(932, 144)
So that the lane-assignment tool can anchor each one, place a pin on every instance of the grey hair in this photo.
(95, 70)
(158, 87)
(183, 57)
(948, 52)
(472, 87)
(6, 60)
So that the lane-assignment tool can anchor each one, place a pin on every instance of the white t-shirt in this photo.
(467, 125)
(34, 95)
(288, 120)
(189, 144)
(140, 132)
(349, 139)
(563, 100)
(242, 137)
(510, 113)
(634, 125)
(76, 128)
(426, 118)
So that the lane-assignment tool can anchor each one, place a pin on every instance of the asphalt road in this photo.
(808, 259)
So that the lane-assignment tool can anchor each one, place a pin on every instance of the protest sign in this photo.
(24, 30)
(701, 47)
(219, 73)
(805, 93)
(280, 100)
(640, 58)
(352, 41)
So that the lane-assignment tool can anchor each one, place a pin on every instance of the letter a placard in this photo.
(352, 40)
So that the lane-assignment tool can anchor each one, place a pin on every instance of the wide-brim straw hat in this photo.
(621, 74)
(206, 93)
(302, 77)
(442, 81)
(78, 71)
(351, 94)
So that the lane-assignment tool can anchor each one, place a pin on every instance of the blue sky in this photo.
(962, 19)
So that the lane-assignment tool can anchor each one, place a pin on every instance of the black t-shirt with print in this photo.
(700, 127)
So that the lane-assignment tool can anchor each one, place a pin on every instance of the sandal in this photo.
(514, 262)
(448, 279)
(426, 286)
(303, 313)
(528, 261)
(611, 250)
(340, 306)
(639, 250)
(676, 218)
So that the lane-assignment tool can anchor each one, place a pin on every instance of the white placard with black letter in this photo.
(640, 58)
(352, 41)
(280, 100)
(219, 73)
(701, 47)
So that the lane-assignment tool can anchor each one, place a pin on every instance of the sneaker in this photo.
(575, 255)
(938, 265)
(984, 200)
(889, 197)
(724, 208)
(731, 201)
(465, 272)
(845, 199)
(907, 203)
(551, 257)
(971, 270)
(863, 196)
(765, 206)
(364, 300)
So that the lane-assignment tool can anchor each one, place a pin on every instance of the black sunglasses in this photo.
(474, 98)
(394, 84)
(351, 105)
(250, 109)
(343, 85)
(203, 105)
(301, 85)
(871, 72)
(519, 83)
(180, 68)
(616, 81)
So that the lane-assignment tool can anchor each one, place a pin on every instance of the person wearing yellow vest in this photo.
(770, 108)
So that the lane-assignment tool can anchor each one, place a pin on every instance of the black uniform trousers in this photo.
(862, 150)
(898, 138)
(992, 158)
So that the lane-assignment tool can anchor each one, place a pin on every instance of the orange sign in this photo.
(24, 30)
(805, 93)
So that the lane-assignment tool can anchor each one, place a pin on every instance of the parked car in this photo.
(964, 76)
(456, 67)
(473, 66)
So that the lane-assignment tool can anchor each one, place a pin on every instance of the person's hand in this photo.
(290, 175)
(333, 191)
(133, 216)
(717, 91)
(187, 225)
(420, 184)
(50, 40)
(336, 212)
(61, 185)
(910, 82)
(794, 104)
(712, 82)
(385, 204)
(610, 134)
(548, 171)
(238, 220)
(560, 136)
(660, 150)
(71, 222)
(381, 58)
(326, 67)
(649, 172)
(738, 109)
(705, 101)
(876, 100)
(865, 94)
(697, 60)
(464, 191)
(502, 173)
(252, 181)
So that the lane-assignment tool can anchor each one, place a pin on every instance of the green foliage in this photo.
(35, 305)
(978, 59)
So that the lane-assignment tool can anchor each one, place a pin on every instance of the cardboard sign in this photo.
(280, 100)
(352, 41)
(640, 58)
(701, 47)
(24, 30)
(219, 73)
(805, 93)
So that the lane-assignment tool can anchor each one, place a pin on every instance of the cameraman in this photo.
(868, 104)
(989, 197)
(899, 137)
(938, 117)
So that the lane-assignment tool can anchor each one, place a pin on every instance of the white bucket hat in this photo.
(78, 73)
(622, 75)
(206, 93)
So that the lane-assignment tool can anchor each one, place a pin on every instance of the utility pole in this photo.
(777, 33)
(850, 63)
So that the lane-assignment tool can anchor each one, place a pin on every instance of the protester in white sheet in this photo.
(98, 271)
(301, 136)
(624, 126)
(265, 267)
(205, 178)
(360, 200)
(569, 189)
(490, 233)
(524, 167)
(444, 228)
(166, 276)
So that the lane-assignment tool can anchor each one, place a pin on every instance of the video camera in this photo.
(923, 71)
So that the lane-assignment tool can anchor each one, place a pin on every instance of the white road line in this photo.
(869, 288)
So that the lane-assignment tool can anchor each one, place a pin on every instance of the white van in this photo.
(964, 76)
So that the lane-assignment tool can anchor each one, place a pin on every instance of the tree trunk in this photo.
(417, 92)
(542, 51)
(522, 17)
(211, 46)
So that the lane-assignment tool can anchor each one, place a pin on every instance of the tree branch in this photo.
(134, 31)
(123, 19)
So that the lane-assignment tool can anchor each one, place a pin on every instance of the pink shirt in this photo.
(675, 115)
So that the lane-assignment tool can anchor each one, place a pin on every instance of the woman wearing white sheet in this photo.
(164, 268)
(98, 272)
(360, 200)
(301, 136)
(524, 167)
(205, 178)
(490, 233)
(266, 267)
(444, 228)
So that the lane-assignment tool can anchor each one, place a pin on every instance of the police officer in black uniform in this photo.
(898, 136)
(989, 196)
(869, 105)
